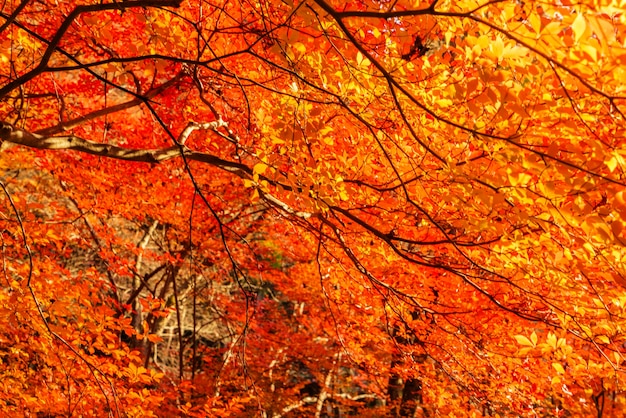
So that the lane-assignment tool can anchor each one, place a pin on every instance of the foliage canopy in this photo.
(316, 207)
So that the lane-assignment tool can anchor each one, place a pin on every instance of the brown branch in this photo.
(14, 15)
(10, 135)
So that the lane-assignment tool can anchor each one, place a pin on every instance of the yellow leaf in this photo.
(521, 340)
(533, 338)
(483, 42)
(603, 339)
(579, 26)
(535, 22)
(497, 47)
(587, 246)
(611, 164)
(259, 168)
(361, 60)
(558, 367)
(444, 102)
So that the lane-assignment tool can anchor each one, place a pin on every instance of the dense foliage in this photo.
(312, 208)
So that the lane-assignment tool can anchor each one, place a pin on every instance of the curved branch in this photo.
(10, 135)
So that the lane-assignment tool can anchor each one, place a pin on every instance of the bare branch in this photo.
(10, 135)
(193, 126)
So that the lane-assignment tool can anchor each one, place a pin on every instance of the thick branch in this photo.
(10, 135)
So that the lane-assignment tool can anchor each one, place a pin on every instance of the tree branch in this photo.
(52, 45)
(9, 135)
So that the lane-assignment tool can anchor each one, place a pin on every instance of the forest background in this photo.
(312, 208)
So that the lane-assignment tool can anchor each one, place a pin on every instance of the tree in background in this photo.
(312, 208)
